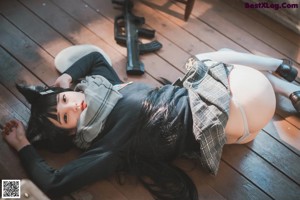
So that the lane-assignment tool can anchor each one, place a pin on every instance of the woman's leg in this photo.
(281, 86)
(261, 63)
(68, 56)
(228, 56)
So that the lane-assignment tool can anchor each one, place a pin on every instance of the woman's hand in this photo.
(63, 81)
(14, 134)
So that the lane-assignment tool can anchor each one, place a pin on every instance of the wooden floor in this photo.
(32, 32)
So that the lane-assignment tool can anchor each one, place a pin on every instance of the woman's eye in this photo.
(64, 98)
(65, 118)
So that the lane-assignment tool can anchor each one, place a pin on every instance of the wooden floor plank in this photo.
(15, 73)
(6, 112)
(172, 53)
(253, 28)
(130, 187)
(78, 34)
(9, 158)
(27, 52)
(232, 185)
(266, 21)
(170, 30)
(103, 190)
(261, 173)
(78, 11)
(67, 26)
(264, 144)
(18, 111)
(214, 14)
(93, 20)
(280, 129)
(197, 28)
(31, 25)
(32, 32)
(205, 191)
(4, 172)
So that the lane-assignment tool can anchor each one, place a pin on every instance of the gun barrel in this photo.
(134, 65)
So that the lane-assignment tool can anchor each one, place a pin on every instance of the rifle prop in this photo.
(127, 30)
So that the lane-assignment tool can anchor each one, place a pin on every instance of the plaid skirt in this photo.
(209, 98)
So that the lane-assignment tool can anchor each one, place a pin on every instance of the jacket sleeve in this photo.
(93, 64)
(92, 165)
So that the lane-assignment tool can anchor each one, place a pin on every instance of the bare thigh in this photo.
(252, 91)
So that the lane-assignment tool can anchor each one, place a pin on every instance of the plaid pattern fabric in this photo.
(209, 97)
(101, 97)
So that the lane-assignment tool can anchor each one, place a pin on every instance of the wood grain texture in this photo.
(33, 32)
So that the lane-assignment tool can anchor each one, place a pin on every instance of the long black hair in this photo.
(153, 148)
(40, 131)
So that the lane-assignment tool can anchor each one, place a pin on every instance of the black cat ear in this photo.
(30, 92)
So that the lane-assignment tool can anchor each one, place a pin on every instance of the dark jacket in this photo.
(104, 157)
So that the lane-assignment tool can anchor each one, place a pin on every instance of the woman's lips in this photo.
(83, 105)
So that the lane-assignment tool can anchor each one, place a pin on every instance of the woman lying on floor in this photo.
(139, 129)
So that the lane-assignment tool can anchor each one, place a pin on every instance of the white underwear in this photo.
(245, 122)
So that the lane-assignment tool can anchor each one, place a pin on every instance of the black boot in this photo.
(287, 71)
(295, 99)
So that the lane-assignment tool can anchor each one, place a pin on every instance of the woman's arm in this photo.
(93, 165)
(91, 64)
(233, 57)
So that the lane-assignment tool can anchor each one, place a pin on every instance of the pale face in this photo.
(69, 107)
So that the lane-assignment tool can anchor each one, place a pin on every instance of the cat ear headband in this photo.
(32, 93)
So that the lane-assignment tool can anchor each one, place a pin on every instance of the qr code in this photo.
(11, 189)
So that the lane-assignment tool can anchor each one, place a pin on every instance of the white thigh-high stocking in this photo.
(281, 86)
(228, 56)
(265, 64)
